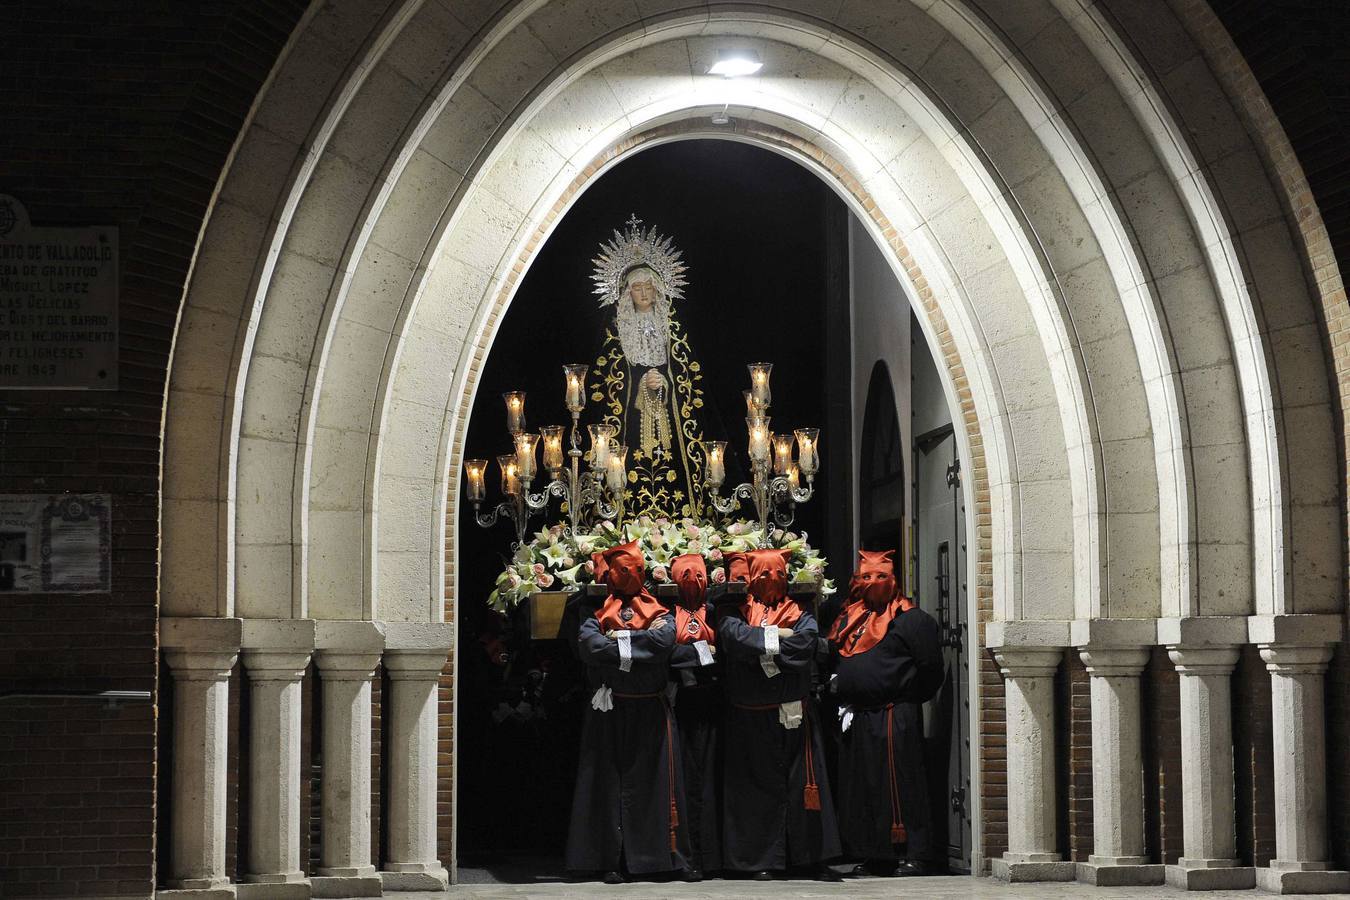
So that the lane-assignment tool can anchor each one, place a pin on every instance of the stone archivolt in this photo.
(1079, 212)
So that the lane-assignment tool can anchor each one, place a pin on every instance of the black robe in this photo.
(766, 825)
(622, 805)
(698, 711)
(885, 686)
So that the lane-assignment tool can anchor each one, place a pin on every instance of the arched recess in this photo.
(881, 467)
(1124, 317)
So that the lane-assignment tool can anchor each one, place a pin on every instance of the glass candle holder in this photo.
(616, 476)
(716, 472)
(808, 450)
(515, 411)
(782, 453)
(793, 479)
(552, 436)
(759, 382)
(525, 455)
(574, 392)
(474, 470)
(510, 475)
(753, 408)
(759, 438)
(602, 443)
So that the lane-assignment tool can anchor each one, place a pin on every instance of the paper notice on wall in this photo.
(58, 304)
(55, 543)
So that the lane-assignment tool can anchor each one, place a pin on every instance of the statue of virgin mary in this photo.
(646, 378)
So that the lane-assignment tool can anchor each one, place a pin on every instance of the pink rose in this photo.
(544, 580)
(588, 567)
(719, 575)
(662, 522)
(567, 562)
(659, 573)
(537, 568)
(693, 531)
(715, 555)
(512, 581)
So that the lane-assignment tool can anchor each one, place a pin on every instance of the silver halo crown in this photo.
(636, 248)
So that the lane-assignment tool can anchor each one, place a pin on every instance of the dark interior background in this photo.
(761, 238)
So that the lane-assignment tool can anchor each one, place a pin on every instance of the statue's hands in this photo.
(654, 380)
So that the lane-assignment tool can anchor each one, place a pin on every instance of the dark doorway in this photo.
(756, 230)
(881, 467)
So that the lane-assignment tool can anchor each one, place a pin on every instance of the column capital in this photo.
(1297, 659)
(1028, 662)
(201, 665)
(1207, 660)
(275, 665)
(346, 665)
(1114, 662)
(1127, 633)
(415, 665)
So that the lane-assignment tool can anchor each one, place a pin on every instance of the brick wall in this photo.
(1076, 727)
(1161, 698)
(115, 114)
(1253, 759)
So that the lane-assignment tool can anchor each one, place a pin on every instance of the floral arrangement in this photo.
(557, 560)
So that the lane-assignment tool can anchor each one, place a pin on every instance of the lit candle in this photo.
(753, 409)
(793, 481)
(759, 382)
(717, 463)
(601, 436)
(759, 438)
(510, 478)
(782, 453)
(553, 451)
(525, 455)
(473, 470)
(615, 476)
(808, 450)
(575, 376)
(515, 411)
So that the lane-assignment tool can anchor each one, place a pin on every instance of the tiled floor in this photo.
(943, 888)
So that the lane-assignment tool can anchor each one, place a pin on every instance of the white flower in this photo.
(555, 553)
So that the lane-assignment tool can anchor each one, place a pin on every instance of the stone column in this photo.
(1297, 694)
(411, 863)
(1117, 769)
(275, 678)
(201, 696)
(1030, 709)
(346, 870)
(1209, 840)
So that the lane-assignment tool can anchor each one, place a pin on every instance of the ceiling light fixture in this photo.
(736, 63)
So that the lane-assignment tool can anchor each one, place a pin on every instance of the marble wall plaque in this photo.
(55, 543)
(58, 304)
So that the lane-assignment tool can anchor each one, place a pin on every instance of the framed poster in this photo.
(55, 543)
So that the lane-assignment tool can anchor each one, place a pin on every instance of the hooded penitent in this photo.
(766, 601)
(875, 601)
(628, 606)
(738, 569)
(690, 573)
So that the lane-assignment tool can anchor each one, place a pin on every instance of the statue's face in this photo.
(643, 294)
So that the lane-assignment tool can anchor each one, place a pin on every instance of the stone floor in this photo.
(938, 888)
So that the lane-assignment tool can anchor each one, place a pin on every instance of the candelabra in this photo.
(774, 495)
(586, 496)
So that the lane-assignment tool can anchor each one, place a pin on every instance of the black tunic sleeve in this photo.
(922, 638)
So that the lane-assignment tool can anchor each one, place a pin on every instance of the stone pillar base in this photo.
(436, 879)
(1121, 871)
(336, 887)
(274, 890)
(1294, 878)
(220, 892)
(1210, 875)
(1033, 870)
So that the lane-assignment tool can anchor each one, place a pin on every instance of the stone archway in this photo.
(1111, 292)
